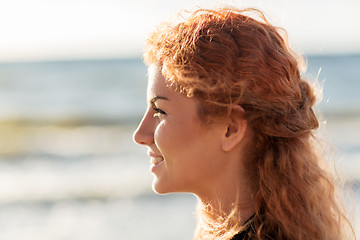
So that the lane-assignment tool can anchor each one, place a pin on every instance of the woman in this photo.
(230, 119)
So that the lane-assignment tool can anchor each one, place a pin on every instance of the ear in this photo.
(236, 129)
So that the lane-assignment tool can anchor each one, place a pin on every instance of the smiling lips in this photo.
(156, 160)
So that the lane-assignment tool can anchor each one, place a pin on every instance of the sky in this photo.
(41, 30)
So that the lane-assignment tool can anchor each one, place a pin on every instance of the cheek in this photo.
(162, 137)
(172, 138)
(159, 132)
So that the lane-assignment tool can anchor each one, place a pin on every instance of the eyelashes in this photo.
(158, 111)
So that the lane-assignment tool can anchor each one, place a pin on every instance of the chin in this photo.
(159, 190)
(162, 188)
(158, 187)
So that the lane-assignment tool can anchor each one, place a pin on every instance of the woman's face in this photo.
(185, 153)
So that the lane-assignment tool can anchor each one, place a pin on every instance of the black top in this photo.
(247, 232)
(243, 235)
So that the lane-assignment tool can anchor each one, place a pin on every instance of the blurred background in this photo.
(72, 91)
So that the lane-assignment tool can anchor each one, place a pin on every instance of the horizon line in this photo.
(139, 57)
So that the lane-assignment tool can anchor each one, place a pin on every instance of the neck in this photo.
(221, 218)
(225, 207)
(227, 192)
(239, 205)
(226, 201)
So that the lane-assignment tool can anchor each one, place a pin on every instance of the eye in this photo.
(158, 111)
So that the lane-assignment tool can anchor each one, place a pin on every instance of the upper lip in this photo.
(153, 154)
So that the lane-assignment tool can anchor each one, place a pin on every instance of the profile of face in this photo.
(186, 154)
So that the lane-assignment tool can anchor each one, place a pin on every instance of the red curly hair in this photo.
(224, 57)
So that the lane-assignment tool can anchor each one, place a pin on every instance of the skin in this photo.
(204, 159)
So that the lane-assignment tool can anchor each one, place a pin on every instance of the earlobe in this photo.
(236, 129)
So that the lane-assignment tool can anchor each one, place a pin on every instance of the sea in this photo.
(69, 168)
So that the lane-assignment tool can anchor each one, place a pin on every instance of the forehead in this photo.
(156, 82)
(154, 71)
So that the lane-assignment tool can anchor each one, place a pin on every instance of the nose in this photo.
(144, 134)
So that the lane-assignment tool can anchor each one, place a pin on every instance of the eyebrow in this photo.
(154, 99)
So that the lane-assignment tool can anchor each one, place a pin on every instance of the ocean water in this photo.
(69, 168)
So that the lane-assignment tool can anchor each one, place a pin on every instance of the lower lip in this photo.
(156, 166)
